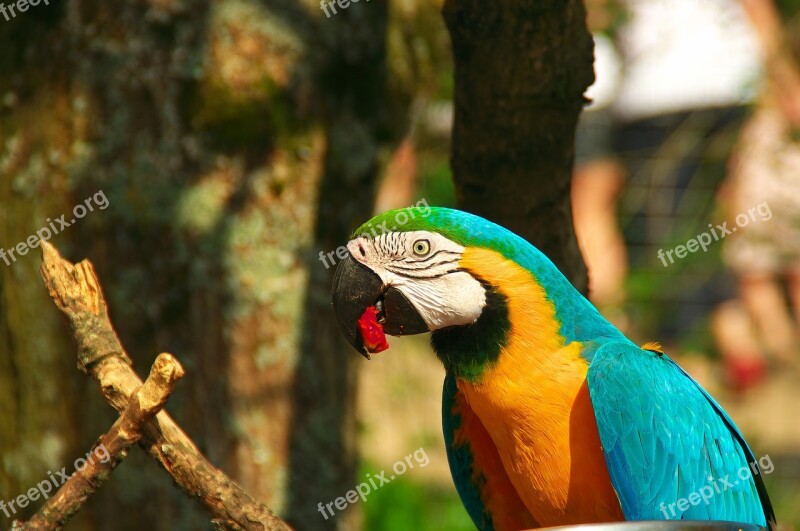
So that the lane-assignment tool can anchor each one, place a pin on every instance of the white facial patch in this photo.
(423, 266)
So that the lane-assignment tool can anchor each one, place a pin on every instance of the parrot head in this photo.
(455, 275)
(412, 276)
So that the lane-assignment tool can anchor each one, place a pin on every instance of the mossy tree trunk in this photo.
(233, 140)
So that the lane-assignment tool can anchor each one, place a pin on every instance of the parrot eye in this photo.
(421, 247)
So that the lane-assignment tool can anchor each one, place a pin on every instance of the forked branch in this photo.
(76, 291)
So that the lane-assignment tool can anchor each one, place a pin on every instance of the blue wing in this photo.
(671, 451)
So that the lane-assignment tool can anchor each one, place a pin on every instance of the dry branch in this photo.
(76, 291)
(147, 401)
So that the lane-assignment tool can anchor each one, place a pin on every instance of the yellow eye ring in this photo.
(421, 247)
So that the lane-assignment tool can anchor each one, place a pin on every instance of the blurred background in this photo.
(234, 141)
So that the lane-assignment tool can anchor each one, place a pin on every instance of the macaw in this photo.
(551, 416)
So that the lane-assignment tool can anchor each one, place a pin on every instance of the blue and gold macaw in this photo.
(551, 416)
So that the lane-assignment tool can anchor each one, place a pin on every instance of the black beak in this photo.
(355, 288)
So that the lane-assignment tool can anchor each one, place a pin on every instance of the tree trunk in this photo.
(233, 141)
(521, 68)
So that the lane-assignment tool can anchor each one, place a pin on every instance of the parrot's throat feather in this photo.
(467, 351)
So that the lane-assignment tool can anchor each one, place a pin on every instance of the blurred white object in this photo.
(686, 54)
(607, 71)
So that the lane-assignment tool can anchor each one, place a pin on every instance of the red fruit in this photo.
(372, 331)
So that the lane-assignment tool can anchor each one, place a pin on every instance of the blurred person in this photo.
(689, 68)
(765, 168)
(681, 64)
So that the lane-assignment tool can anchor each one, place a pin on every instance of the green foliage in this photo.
(785, 499)
(406, 504)
(436, 183)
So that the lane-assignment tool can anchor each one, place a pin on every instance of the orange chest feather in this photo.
(535, 405)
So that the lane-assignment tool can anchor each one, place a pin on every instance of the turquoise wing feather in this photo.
(671, 451)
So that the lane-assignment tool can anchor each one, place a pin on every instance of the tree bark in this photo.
(521, 68)
(323, 456)
(231, 150)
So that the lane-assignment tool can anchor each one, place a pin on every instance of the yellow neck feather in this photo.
(535, 404)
